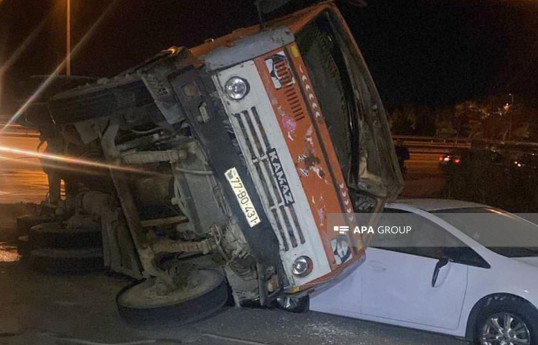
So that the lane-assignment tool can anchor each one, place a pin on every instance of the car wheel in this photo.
(509, 321)
(145, 303)
(78, 260)
(292, 304)
(55, 235)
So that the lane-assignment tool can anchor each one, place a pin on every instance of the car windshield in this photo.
(499, 231)
(352, 109)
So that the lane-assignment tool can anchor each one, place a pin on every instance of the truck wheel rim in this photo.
(146, 294)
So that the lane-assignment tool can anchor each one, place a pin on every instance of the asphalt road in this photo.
(61, 309)
(21, 177)
(423, 164)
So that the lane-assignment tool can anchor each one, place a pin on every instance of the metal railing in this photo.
(434, 144)
(17, 131)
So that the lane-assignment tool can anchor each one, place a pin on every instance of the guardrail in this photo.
(435, 144)
(417, 144)
(17, 131)
(432, 140)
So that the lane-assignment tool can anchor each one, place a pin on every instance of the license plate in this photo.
(242, 197)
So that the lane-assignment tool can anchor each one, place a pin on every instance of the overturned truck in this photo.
(213, 169)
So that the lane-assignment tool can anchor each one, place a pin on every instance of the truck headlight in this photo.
(302, 266)
(236, 88)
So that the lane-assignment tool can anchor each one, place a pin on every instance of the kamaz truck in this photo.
(210, 171)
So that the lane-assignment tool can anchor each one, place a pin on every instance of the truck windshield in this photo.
(351, 107)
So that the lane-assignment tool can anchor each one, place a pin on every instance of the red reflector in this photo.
(457, 161)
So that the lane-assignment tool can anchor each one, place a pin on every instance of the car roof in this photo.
(430, 205)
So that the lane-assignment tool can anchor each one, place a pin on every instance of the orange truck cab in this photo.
(307, 115)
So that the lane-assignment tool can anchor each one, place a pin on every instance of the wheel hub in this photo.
(504, 329)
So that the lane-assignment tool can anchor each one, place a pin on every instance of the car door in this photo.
(397, 280)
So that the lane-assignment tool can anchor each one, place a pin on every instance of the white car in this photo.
(486, 295)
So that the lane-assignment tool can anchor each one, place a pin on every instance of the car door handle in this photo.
(376, 266)
(440, 264)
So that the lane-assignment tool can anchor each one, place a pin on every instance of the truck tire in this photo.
(37, 112)
(55, 235)
(24, 223)
(23, 247)
(99, 100)
(138, 307)
(51, 260)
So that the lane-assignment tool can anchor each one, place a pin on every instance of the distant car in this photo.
(461, 157)
(485, 294)
(527, 162)
(451, 158)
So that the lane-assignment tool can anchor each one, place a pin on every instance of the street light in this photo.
(68, 39)
(507, 111)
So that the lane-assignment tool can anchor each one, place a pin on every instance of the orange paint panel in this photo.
(307, 138)
(294, 21)
(346, 205)
(338, 179)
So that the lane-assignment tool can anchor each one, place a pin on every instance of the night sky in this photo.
(423, 52)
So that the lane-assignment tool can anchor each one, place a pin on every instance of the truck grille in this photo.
(284, 218)
(292, 97)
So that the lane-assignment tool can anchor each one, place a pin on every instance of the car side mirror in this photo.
(440, 264)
